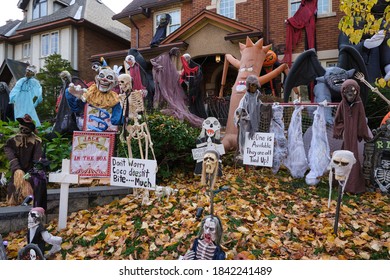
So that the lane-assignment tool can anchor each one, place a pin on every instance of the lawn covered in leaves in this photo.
(264, 216)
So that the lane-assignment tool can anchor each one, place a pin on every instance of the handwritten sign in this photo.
(133, 173)
(259, 149)
(198, 153)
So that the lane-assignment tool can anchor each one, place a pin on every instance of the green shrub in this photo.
(172, 140)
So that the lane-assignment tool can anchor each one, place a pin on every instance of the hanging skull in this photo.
(342, 162)
(125, 83)
(211, 127)
(106, 79)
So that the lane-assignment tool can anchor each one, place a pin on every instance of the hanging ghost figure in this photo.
(296, 160)
(280, 145)
(341, 165)
(319, 152)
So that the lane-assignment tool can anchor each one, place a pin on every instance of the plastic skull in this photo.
(124, 83)
(211, 126)
(35, 216)
(33, 255)
(210, 161)
(106, 79)
(342, 162)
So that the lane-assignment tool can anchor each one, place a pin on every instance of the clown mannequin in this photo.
(37, 234)
(99, 95)
(26, 95)
(350, 125)
(207, 245)
(21, 151)
(247, 115)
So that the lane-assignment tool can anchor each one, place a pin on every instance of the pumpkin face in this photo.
(270, 59)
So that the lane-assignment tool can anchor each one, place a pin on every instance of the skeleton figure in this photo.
(341, 165)
(207, 245)
(137, 131)
(382, 173)
(38, 235)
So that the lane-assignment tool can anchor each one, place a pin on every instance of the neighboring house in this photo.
(208, 29)
(75, 29)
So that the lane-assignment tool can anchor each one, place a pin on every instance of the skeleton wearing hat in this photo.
(21, 151)
(26, 95)
(37, 233)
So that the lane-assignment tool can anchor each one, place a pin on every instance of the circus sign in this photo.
(91, 153)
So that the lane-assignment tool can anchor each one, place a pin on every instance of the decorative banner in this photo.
(91, 153)
(259, 150)
(133, 173)
(198, 153)
(98, 119)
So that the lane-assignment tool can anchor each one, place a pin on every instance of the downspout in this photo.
(136, 33)
(267, 19)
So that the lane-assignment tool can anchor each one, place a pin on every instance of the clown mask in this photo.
(106, 79)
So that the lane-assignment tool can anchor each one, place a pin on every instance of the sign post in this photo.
(65, 179)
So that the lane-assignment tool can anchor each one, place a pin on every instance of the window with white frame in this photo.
(227, 8)
(26, 50)
(50, 43)
(39, 9)
(175, 20)
(324, 7)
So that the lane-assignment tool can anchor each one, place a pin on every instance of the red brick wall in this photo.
(252, 13)
(90, 43)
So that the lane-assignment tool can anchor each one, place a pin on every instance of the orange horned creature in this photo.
(252, 58)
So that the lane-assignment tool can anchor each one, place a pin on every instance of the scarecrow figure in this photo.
(37, 233)
(247, 114)
(350, 125)
(22, 151)
(207, 245)
(26, 95)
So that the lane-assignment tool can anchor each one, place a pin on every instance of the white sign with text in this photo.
(259, 149)
(133, 173)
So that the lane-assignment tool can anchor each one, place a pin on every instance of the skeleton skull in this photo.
(350, 90)
(210, 160)
(125, 83)
(211, 125)
(209, 230)
(33, 255)
(342, 162)
(106, 79)
(35, 216)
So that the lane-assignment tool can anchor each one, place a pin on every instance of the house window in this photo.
(173, 25)
(39, 9)
(26, 50)
(324, 7)
(227, 8)
(49, 43)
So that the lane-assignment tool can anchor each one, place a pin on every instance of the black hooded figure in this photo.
(161, 31)
(6, 109)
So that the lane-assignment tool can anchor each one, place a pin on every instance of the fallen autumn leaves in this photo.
(264, 217)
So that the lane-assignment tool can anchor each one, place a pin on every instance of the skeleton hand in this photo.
(190, 255)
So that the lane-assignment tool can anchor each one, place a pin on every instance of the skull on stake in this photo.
(341, 164)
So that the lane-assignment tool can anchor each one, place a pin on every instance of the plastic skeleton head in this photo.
(130, 59)
(211, 127)
(210, 161)
(342, 162)
(125, 83)
(35, 216)
(33, 255)
(106, 79)
(211, 230)
(350, 90)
